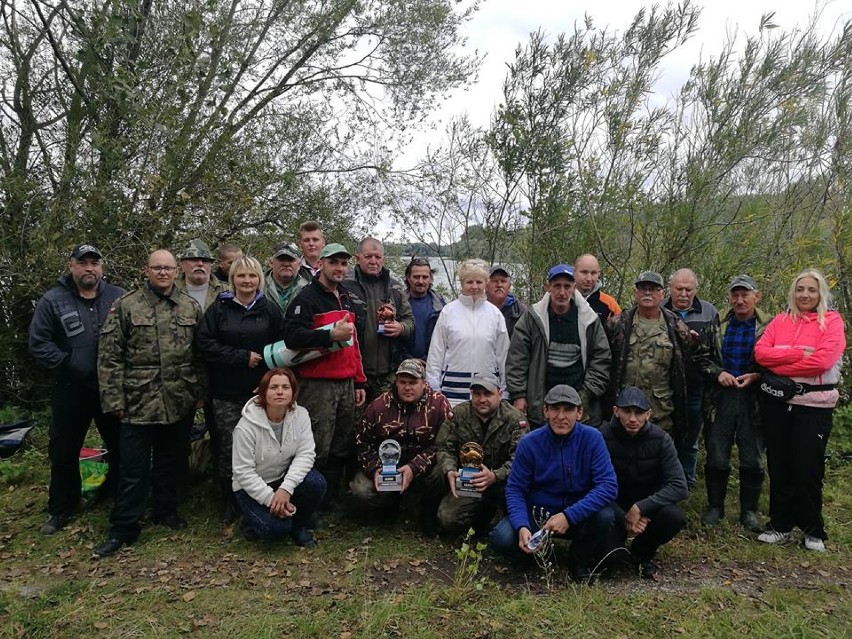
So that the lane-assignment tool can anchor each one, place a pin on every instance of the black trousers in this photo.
(664, 525)
(796, 438)
(73, 409)
(154, 456)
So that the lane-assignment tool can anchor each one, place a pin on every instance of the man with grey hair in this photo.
(284, 279)
(383, 315)
(196, 262)
(701, 317)
(498, 290)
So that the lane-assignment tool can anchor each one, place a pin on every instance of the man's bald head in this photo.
(162, 270)
(683, 285)
(587, 273)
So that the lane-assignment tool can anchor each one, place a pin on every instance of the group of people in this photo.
(569, 416)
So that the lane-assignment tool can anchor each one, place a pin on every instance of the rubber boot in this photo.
(717, 487)
(429, 516)
(751, 485)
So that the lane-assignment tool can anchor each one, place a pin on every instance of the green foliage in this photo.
(466, 578)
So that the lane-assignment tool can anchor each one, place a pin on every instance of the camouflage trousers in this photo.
(458, 514)
(226, 414)
(369, 499)
(331, 405)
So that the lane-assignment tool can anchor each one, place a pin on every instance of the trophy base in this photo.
(390, 483)
(464, 488)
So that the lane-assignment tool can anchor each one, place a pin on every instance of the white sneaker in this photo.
(814, 543)
(774, 537)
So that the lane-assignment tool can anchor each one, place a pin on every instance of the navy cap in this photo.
(560, 269)
(632, 396)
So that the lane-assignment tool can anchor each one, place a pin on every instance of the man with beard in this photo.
(196, 262)
(426, 304)
(64, 338)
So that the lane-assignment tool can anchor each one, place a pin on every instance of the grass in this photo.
(365, 581)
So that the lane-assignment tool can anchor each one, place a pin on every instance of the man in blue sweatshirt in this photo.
(562, 481)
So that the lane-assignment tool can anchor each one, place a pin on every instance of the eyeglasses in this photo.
(162, 269)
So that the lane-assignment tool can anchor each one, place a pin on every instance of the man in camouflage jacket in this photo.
(151, 378)
(496, 426)
(410, 413)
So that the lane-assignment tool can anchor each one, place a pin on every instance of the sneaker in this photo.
(775, 537)
(648, 569)
(814, 543)
(54, 524)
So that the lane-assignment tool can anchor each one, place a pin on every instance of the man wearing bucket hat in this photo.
(284, 279)
(411, 413)
(560, 340)
(562, 481)
(196, 263)
(332, 385)
(650, 480)
(64, 338)
(651, 346)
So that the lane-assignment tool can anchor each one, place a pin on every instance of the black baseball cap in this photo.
(632, 396)
(80, 250)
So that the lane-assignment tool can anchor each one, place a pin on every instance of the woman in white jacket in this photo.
(469, 337)
(273, 457)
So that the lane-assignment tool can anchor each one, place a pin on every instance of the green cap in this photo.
(330, 250)
(197, 250)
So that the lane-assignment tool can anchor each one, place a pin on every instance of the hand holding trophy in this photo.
(389, 479)
(470, 456)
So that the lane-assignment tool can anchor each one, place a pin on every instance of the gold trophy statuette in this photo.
(470, 456)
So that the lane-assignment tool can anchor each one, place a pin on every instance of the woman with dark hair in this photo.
(805, 343)
(275, 484)
(230, 339)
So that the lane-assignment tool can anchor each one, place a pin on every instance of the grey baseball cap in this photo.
(649, 277)
(485, 380)
(632, 396)
(562, 394)
(499, 268)
(743, 281)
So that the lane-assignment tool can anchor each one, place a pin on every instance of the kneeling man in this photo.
(411, 414)
(496, 427)
(650, 480)
(563, 482)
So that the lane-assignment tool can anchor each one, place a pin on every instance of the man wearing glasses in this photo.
(152, 380)
(651, 347)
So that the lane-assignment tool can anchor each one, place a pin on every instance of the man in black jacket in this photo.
(650, 480)
(64, 338)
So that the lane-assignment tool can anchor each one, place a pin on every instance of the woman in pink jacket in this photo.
(805, 343)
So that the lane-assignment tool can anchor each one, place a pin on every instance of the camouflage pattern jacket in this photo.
(147, 364)
(414, 426)
(214, 287)
(498, 440)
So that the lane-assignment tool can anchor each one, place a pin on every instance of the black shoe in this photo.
(248, 532)
(584, 576)
(54, 524)
(108, 548)
(174, 521)
(303, 537)
(648, 569)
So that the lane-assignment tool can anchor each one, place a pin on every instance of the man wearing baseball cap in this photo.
(196, 262)
(63, 338)
(498, 291)
(333, 385)
(734, 397)
(650, 480)
(411, 413)
(651, 346)
(560, 340)
(494, 425)
(285, 278)
(562, 481)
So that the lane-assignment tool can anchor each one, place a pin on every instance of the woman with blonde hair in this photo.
(469, 337)
(805, 343)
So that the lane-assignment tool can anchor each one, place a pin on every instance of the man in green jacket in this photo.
(494, 425)
(151, 378)
(197, 280)
(560, 340)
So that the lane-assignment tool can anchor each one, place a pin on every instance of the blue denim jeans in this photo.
(268, 527)
(687, 451)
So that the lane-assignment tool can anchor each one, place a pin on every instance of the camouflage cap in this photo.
(413, 367)
(279, 250)
(649, 277)
(197, 250)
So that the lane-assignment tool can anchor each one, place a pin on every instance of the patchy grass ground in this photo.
(389, 582)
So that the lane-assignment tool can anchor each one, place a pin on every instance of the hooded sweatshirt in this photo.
(259, 459)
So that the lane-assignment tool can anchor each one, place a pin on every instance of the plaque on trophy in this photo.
(385, 313)
(471, 456)
(390, 479)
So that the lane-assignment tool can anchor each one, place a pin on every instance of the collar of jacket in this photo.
(471, 302)
(621, 432)
(695, 307)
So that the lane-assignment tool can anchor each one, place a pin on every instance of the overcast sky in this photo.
(500, 25)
